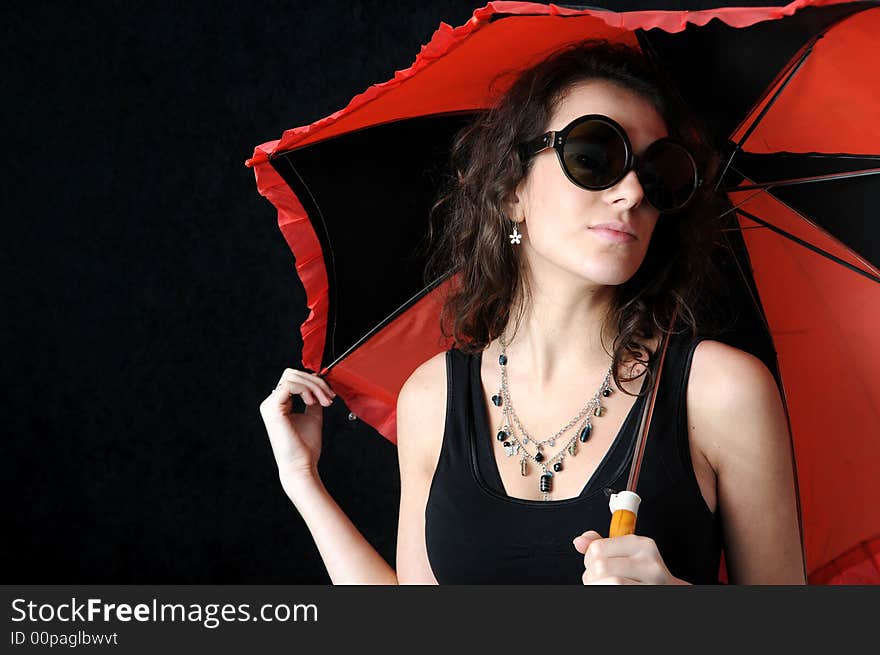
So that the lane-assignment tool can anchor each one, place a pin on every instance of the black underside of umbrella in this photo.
(721, 71)
(368, 195)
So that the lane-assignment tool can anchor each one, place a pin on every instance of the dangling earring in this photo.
(515, 237)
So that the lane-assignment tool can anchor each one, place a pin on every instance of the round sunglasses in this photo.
(595, 154)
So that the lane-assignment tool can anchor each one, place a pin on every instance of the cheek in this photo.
(550, 195)
(589, 257)
(554, 229)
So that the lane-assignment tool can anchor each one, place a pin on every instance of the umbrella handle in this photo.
(624, 510)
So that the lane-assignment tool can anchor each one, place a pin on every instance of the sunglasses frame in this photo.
(556, 139)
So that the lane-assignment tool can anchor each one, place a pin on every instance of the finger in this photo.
(294, 374)
(583, 541)
(320, 388)
(639, 571)
(308, 397)
(625, 546)
(326, 386)
(285, 391)
(306, 387)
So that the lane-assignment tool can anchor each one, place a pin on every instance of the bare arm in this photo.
(296, 444)
(735, 412)
(421, 418)
(348, 556)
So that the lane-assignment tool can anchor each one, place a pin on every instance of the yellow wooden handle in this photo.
(622, 522)
(624, 507)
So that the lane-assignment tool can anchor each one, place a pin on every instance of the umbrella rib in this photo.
(741, 203)
(794, 69)
(805, 180)
(810, 246)
(836, 155)
(812, 224)
(758, 192)
(386, 321)
(755, 301)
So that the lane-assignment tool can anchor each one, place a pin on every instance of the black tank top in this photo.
(476, 534)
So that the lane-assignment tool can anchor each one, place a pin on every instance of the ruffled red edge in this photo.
(297, 230)
(446, 38)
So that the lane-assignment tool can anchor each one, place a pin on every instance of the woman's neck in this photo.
(561, 334)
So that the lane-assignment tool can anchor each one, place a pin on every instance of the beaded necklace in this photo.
(513, 445)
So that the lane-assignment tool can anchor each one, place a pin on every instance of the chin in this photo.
(606, 275)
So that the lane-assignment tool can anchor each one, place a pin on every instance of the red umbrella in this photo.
(789, 92)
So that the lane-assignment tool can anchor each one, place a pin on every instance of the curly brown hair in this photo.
(485, 271)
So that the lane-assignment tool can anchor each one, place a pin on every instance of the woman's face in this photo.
(559, 228)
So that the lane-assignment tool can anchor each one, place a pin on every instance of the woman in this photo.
(567, 276)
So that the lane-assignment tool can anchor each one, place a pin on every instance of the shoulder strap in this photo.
(647, 412)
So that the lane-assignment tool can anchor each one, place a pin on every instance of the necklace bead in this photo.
(546, 483)
(585, 432)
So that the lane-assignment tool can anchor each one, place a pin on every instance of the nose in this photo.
(626, 194)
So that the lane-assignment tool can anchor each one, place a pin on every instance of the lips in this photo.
(616, 227)
(613, 235)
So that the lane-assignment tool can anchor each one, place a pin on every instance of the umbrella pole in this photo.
(625, 504)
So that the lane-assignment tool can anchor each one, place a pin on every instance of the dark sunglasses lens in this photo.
(594, 153)
(668, 176)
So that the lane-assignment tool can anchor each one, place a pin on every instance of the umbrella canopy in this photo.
(789, 98)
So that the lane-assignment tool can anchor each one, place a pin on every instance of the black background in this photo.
(150, 302)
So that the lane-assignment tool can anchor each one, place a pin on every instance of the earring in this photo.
(515, 237)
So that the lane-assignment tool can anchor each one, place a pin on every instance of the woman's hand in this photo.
(296, 438)
(630, 559)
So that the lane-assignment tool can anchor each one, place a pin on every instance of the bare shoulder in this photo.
(421, 412)
(427, 376)
(717, 364)
(727, 375)
(726, 387)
